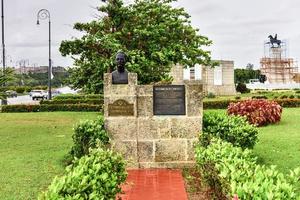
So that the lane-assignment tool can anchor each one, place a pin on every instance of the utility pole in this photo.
(4, 101)
(3, 43)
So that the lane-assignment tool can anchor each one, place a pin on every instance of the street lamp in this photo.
(42, 15)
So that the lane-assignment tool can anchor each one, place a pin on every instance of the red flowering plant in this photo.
(258, 112)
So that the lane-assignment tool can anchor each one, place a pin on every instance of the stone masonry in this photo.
(147, 140)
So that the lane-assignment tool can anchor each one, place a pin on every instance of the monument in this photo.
(153, 126)
(120, 76)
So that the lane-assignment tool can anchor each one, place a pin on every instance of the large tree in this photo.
(152, 33)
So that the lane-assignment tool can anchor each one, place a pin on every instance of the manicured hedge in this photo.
(51, 108)
(73, 101)
(223, 104)
(89, 96)
(288, 103)
(234, 172)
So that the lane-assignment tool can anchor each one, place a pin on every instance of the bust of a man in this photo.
(120, 76)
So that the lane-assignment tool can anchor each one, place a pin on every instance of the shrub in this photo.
(242, 88)
(220, 104)
(28, 89)
(73, 101)
(258, 112)
(237, 97)
(211, 95)
(51, 108)
(291, 96)
(289, 103)
(283, 97)
(234, 172)
(233, 129)
(96, 176)
(297, 92)
(72, 96)
(20, 90)
(259, 97)
(223, 104)
(86, 134)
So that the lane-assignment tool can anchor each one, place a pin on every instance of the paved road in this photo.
(26, 99)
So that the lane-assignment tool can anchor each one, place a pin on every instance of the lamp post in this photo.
(44, 14)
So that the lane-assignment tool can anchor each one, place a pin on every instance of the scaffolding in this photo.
(278, 68)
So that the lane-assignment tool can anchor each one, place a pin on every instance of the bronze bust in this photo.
(120, 76)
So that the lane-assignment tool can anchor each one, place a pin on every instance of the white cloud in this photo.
(238, 28)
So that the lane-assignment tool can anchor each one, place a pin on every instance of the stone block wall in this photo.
(228, 87)
(147, 140)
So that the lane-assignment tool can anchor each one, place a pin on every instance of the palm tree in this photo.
(5, 76)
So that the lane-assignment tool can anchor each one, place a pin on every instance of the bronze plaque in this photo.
(120, 108)
(169, 100)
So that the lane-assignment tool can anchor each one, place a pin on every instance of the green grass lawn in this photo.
(32, 147)
(279, 144)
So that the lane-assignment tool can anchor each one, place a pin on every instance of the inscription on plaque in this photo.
(120, 108)
(169, 100)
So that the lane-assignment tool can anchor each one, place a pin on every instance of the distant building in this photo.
(218, 80)
(37, 70)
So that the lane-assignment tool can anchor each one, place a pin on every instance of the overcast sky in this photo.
(238, 28)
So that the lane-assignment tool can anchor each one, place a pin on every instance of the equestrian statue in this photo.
(274, 40)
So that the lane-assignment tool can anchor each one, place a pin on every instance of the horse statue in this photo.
(274, 40)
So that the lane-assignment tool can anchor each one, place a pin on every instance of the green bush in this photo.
(20, 90)
(40, 87)
(291, 96)
(237, 97)
(259, 97)
(73, 101)
(234, 172)
(211, 95)
(242, 88)
(51, 108)
(86, 134)
(283, 97)
(233, 129)
(76, 96)
(223, 104)
(297, 92)
(288, 103)
(220, 104)
(97, 176)
(28, 89)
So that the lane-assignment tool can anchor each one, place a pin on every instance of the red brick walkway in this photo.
(154, 184)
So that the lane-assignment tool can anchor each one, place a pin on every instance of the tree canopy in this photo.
(152, 33)
(244, 75)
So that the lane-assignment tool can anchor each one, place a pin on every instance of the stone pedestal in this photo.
(147, 140)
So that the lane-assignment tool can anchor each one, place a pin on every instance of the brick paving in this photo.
(154, 184)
